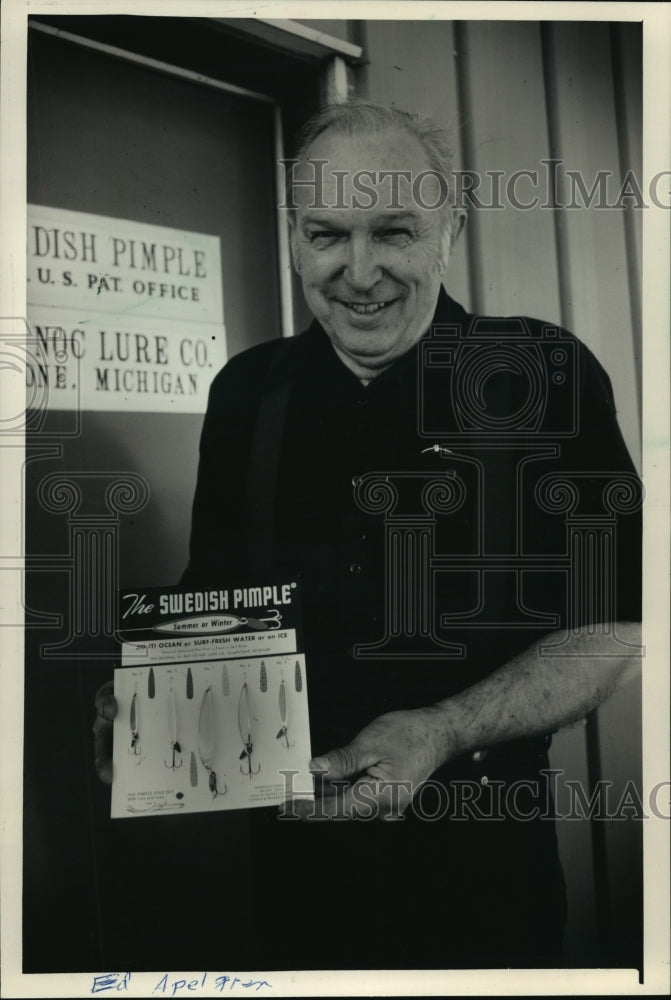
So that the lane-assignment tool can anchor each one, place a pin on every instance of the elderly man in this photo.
(307, 428)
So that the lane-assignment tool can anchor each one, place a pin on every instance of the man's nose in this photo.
(362, 267)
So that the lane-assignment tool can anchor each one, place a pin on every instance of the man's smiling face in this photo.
(371, 275)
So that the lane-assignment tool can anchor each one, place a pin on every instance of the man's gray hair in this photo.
(357, 116)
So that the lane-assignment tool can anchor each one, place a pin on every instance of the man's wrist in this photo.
(449, 734)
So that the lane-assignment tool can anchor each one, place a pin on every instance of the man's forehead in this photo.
(393, 148)
(386, 171)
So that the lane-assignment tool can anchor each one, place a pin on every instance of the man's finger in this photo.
(297, 809)
(369, 798)
(338, 763)
(102, 748)
(105, 702)
(106, 710)
(105, 769)
(344, 762)
(394, 798)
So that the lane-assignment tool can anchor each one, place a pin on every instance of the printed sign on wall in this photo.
(123, 315)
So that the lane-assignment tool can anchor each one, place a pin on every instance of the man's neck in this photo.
(364, 374)
(367, 373)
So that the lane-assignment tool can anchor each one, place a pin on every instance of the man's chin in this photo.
(371, 356)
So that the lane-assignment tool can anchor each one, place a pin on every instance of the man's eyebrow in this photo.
(332, 221)
(327, 221)
(408, 216)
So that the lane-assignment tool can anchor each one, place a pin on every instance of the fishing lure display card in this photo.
(212, 708)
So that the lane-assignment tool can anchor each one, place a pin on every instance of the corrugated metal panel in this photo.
(412, 66)
(523, 92)
(597, 283)
(504, 108)
(519, 93)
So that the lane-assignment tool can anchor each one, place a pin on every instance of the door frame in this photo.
(292, 37)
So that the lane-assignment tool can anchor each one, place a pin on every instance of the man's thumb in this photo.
(339, 763)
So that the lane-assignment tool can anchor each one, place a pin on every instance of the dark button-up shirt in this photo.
(409, 595)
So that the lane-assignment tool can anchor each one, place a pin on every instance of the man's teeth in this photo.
(366, 309)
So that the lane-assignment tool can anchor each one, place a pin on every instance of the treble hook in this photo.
(284, 734)
(134, 748)
(176, 748)
(212, 784)
(272, 620)
(247, 755)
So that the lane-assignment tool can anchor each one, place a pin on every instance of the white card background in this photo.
(146, 783)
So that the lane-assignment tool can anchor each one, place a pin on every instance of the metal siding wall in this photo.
(620, 732)
(620, 719)
(520, 92)
(412, 66)
(488, 81)
(627, 50)
(568, 753)
(507, 128)
(596, 97)
(597, 283)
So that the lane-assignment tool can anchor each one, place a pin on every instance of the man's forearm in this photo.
(536, 693)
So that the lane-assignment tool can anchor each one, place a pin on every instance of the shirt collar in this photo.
(318, 351)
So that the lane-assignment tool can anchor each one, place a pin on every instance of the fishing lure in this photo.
(193, 770)
(298, 678)
(134, 748)
(175, 745)
(206, 742)
(284, 716)
(263, 681)
(245, 727)
(151, 684)
(225, 685)
(189, 684)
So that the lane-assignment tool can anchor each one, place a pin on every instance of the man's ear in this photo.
(452, 228)
(459, 216)
(293, 242)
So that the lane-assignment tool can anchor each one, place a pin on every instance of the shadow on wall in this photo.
(161, 449)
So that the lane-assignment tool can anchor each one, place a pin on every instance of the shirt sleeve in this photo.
(217, 544)
(604, 517)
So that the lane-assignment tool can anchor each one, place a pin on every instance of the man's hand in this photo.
(386, 762)
(106, 709)
(535, 692)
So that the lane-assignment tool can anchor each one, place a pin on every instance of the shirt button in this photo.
(354, 569)
(484, 780)
(479, 755)
(356, 480)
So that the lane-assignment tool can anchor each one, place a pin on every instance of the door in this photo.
(123, 140)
